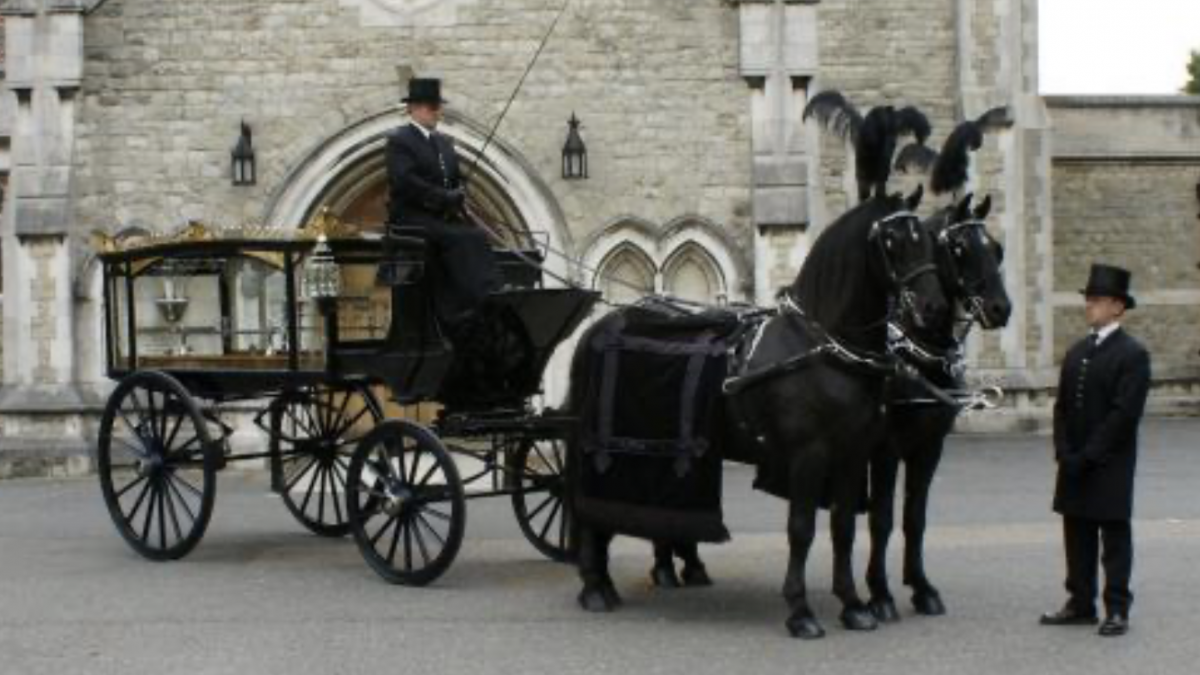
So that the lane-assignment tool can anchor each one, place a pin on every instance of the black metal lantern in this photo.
(574, 153)
(242, 159)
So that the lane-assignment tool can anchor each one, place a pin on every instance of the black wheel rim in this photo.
(156, 467)
(537, 469)
(315, 437)
(406, 504)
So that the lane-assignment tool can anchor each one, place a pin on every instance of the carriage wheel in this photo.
(313, 432)
(537, 471)
(405, 500)
(157, 465)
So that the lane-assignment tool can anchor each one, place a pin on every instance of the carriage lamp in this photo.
(322, 279)
(242, 158)
(574, 153)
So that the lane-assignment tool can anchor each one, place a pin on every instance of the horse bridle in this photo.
(901, 284)
(970, 290)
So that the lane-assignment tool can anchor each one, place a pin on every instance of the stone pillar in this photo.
(778, 59)
(42, 409)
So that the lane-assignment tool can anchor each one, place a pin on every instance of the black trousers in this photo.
(1083, 538)
(461, 269)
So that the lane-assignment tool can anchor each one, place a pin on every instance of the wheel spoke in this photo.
(349, 424)
(162, 519)
(384, 528)
(428, 474)
(408, 562)
(540, 507)
(171, 478)
(550, 519)
(296, 479)
(149, 513)
(121, 493)
(334, 476)
(435, 513)
(137, 504)
(416, 530)
(174, 513)
(430, 528)
(391, 556)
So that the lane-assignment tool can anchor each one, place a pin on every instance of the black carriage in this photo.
(327, 339)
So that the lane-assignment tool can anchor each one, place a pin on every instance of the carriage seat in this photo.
(404, 256)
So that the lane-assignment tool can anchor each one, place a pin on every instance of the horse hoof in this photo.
(664, 576)
(805, 627)
(595, 600)
(696, 576)
(884, 610)
(928, 604)
(858, 618)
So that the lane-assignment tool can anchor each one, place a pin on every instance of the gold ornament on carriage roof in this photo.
(325, 223)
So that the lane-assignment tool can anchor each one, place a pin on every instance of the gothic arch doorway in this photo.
(346, 174)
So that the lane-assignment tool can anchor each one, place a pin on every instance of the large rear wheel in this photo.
(157, 465)
(406, 504)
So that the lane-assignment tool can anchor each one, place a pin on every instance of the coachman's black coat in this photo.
(425, 191)
(1101, 396)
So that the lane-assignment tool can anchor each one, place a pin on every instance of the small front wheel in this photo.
(405, 503)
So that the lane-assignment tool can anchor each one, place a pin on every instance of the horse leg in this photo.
(694, 573)
(663, 573)
(598, 594)
(842, 515)
(802, 527)
(918, 480)
(884, 468)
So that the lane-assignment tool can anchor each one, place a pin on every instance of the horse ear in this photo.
(963, 209)
(984, 208)
(914, 200)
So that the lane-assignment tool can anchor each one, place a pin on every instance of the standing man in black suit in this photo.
(1101, 395)
(425, 191)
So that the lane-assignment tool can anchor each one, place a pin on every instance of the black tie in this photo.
(1093, 342)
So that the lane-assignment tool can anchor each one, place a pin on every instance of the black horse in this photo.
(969, 264)
(815, 383)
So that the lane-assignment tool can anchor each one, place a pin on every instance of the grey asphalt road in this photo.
(260, 595)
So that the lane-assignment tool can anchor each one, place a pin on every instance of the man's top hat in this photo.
(1110, 281)
(424, 90)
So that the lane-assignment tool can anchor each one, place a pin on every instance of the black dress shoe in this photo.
(1114, 625)
(1068, 616)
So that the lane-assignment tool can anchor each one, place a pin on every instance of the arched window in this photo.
(692, 274)
(626, 275)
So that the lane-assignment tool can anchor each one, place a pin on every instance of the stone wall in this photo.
(167, 82)
(1126, 173)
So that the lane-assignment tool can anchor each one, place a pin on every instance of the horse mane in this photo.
(837, 287)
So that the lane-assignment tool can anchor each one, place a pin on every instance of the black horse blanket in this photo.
(649, 381)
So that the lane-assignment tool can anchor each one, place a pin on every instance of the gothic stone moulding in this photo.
(419, 13)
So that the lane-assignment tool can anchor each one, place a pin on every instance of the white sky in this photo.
(1116, 46)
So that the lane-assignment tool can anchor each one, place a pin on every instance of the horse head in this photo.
(906, 261)
(969, 262)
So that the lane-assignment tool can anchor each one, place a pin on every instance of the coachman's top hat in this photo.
(1110, 281)
(424, 90)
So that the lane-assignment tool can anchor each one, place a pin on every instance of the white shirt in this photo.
(425, 132)
(1103, 333)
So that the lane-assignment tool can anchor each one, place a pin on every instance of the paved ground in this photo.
(261, 596)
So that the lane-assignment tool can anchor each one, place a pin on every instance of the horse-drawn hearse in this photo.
(296, 328)
(324, 331)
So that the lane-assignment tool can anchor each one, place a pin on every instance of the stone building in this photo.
(121, 114)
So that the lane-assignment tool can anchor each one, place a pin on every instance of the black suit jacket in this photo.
(1101, 397)
(418, 185)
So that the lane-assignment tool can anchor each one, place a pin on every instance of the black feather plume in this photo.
(995, 120)
(915, 158)
(910, 121)
(874, 150)
(835, 114)
(954, 161)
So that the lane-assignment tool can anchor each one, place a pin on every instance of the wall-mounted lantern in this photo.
(574, 153)
(242, 159)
